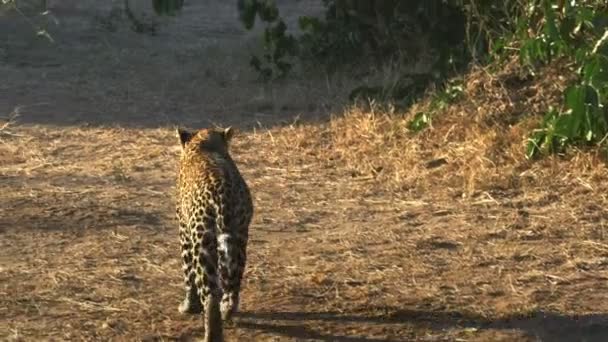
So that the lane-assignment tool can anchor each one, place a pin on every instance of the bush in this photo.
(458, 32)
(577, 32)
(354, 33)
(278, 45)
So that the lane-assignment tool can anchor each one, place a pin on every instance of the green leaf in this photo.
(565, 126)
(167, 7)
(420, 121)
(575, 100)
(268, 11)
(247, 12)
(595, 72)
(533, 145)
(550, 26)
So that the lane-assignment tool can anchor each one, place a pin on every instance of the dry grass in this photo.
(361, 233)
(8, 121)
(474, 145)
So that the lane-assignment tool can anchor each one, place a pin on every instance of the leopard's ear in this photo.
(228, 133)
(184, 136)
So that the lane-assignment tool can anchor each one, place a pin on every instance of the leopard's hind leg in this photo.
(207, 282)
(191, 303)
(232, 253)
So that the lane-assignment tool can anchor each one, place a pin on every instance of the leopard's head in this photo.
(207, 139)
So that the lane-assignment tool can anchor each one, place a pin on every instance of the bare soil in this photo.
(340, 249)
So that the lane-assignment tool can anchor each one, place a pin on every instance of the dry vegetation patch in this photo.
(476, 144)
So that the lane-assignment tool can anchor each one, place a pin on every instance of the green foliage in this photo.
(584, 119)
(577, 31)
(450, 93)
(406, 91)
(453, 92)
(330, 43)
(139, 25)
(458, 31)
(378, 31)
(420, 121)
(167, 7)
(247, 12)
(267, 10)
(401, 93)
(356, 31)
(278, 45)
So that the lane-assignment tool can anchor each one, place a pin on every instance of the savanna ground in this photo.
(362, 232)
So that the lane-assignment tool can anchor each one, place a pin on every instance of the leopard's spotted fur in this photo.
(214, 210)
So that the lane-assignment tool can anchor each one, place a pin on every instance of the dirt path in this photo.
(88, 247)
(88, 250)
(192, 71)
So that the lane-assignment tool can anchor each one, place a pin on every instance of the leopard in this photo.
(214, 210)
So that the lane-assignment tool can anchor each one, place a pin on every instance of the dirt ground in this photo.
(88, 239)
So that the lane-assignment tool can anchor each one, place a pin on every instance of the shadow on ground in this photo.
(79, 218)
(545, 326)
(76, 204)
